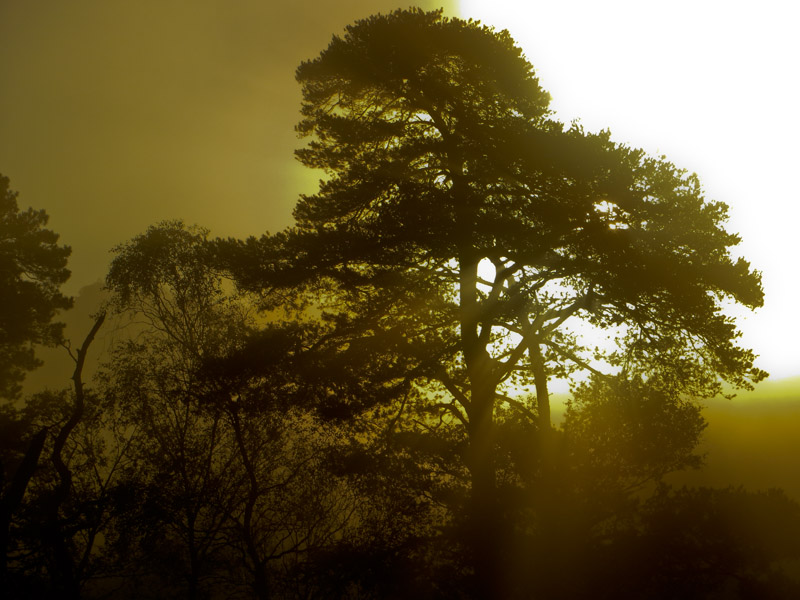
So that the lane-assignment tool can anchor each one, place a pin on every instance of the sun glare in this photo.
(688, 81)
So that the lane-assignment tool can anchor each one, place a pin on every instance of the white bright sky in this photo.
(714, 86)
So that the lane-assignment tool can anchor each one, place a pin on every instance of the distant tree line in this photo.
(358, 406)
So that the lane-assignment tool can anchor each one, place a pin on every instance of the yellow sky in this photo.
(711, 84)
(115, 115)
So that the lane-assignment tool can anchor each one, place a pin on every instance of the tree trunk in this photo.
(540, 381)
(260, 582)
(484, 518)
(13, 498)
(66, 576)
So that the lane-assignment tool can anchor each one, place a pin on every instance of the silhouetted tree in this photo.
(55, 538)
(20, 458)
(58, 518)
(460, 231)
(236, 492)
(180, 317)
(32, 268)
(622, 435)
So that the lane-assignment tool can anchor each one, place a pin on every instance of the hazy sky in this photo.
(115, 115)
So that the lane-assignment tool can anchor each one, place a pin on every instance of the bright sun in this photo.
(708, 84)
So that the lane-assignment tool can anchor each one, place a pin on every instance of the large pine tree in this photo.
(460, 231)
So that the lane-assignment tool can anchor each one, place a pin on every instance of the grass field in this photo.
(752, 440)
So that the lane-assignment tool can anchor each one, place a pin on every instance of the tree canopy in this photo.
(449, 188)
(32, 268)
(461, 231)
